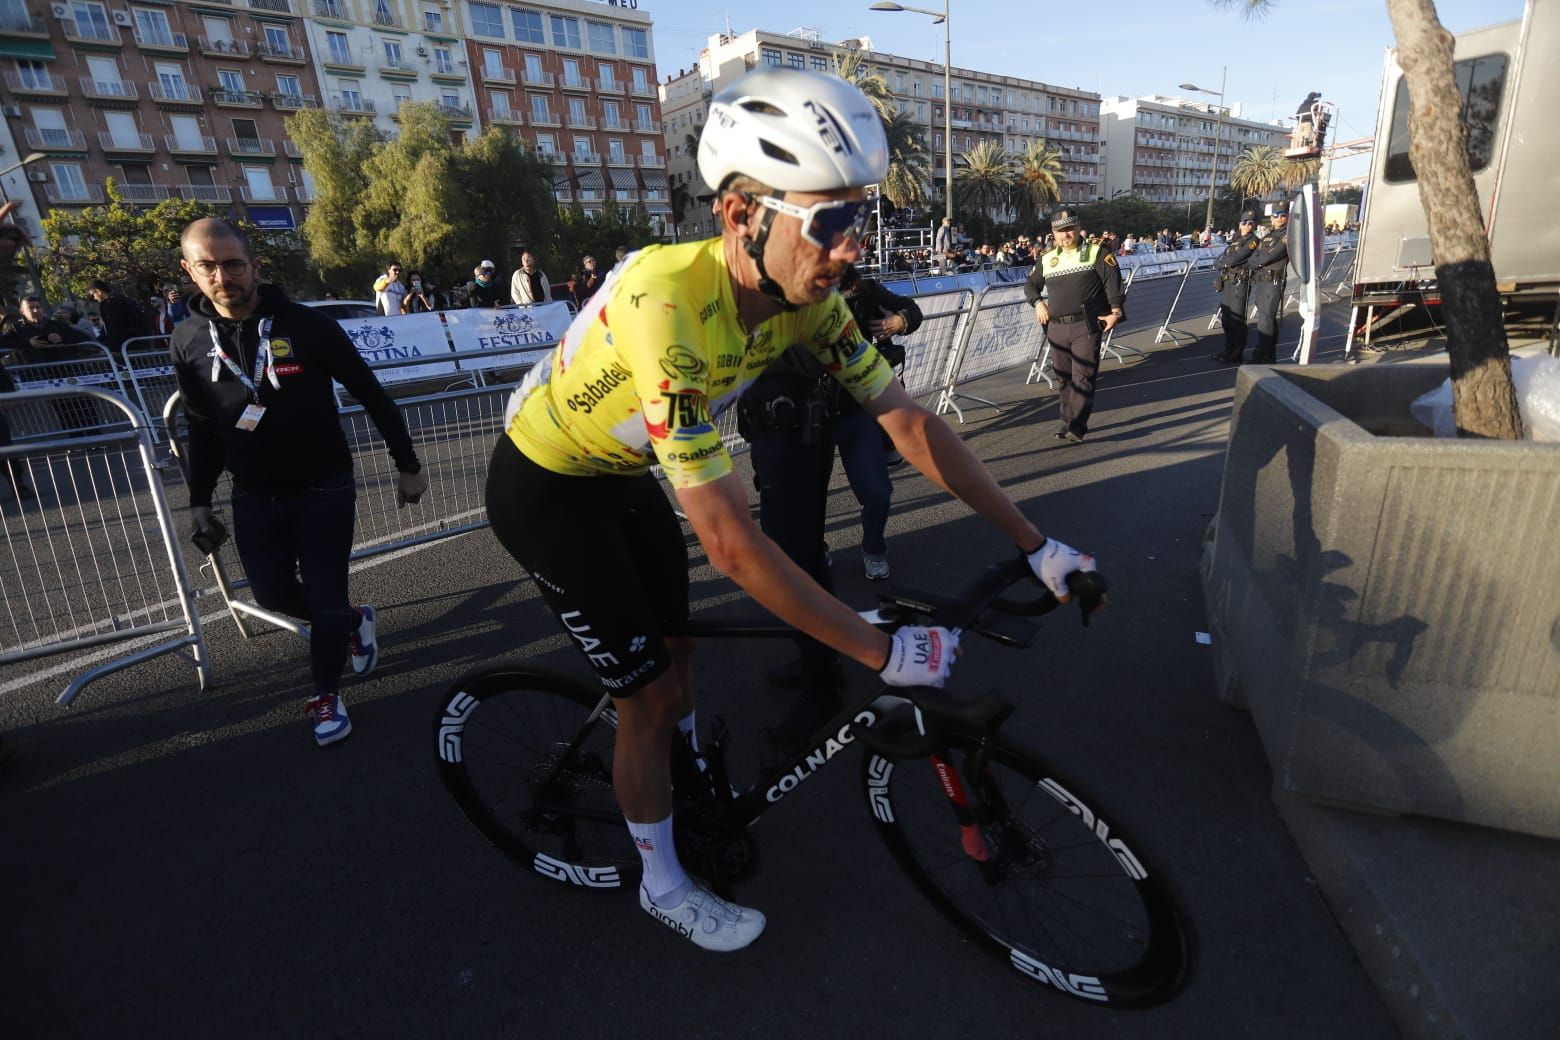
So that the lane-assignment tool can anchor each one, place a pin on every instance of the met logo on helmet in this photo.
(829, 128)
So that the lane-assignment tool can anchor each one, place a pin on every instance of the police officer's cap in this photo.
(1063, 219)
(1249, 217)
(1281, 208)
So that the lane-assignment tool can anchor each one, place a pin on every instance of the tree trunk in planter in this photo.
(1483, 397)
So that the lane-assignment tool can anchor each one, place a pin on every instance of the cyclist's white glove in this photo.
(1053, 561)
(920, 656)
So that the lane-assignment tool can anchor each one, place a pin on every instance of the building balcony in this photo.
(539, 79)
(264, 193)
(652, 162)
(555, 158)
(508, 117)
(624, 195)
(399, 68)
(63, 195)
(455, 113)
(586, 158)
(289, 53)
(614, 123)
(192, 146)
(109, 92)
(563, 194)
(222, 48)
(644, 90)
(206, 192)
(448, 74)
(579, 84)
(35, 84)
(293, 102)
(143, 193)
(237, 98)
(330, 9)
(251, 146)
(14, 24)
(655, 195)
(290, 148)
(613, 86)
(123, 144)
(582, 122)
(175, 94)
(499, 77)
(343, 63)
(163, 42)
(545, 118)
(388, 20)
(55, 140)
(351, 105)
(275, 6)
(646, 126)
(89, 35)
(304, 193)
(619, 159)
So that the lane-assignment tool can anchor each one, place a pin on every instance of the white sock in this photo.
(665, 881)
(689, 729)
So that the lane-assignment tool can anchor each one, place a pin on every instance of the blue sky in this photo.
(1129, 47)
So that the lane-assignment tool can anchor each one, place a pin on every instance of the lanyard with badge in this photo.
(265, 368)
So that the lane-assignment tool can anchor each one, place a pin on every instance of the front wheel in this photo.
(1026, 863)
(527, 756)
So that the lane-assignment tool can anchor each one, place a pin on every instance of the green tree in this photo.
(1483, 397)
(851, 66)
(1257, 171)
(984, 177)
(580, 235)
(909, 161)
(508, 191)
(1040, 176)
(336, 151)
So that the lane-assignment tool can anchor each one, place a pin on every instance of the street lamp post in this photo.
(5, 198)
(947, 92)
(1213, 178)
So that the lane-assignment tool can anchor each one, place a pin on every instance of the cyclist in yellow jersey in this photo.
(670, 340)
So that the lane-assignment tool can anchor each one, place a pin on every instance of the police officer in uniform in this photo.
(1269, 266)
(1082, 283)
(1234, 286)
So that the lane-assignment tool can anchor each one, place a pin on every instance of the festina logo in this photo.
(816, 758)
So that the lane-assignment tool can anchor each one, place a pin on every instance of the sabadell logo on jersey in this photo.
(596, 391)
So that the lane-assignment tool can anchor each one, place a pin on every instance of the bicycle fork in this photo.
(971, 836)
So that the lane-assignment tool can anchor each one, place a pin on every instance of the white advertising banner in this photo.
(415, 338)
(514, 335)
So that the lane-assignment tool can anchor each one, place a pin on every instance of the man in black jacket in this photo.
(122, 317)
(1234, 287)
(255, 371)
(1269, 265)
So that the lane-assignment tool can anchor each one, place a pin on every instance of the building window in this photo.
(486, 20)
(68, 181)
(771, 56)
(602, 39)
(392, 53)
(442, 63)
(34, 74)
(152, 27)
(636, 42)
(539, 110)
(641, 80)
(937, 90)
(615, 149)
(289, 86)
(277, 39)
(340, 50)
(433, 20)
(577, 111)
(796, 61)
(500, 100)
(232, 80)
(546, 145)
(527, 25)
(820, 64)
(565, 32)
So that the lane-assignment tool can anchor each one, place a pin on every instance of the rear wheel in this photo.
(1029, 865)
(529, 765)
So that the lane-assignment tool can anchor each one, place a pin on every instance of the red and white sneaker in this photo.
(365, 648)
(328, 712)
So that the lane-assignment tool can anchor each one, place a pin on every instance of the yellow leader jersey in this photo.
(656, 356)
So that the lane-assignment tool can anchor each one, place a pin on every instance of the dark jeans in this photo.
(1269, 298)
(305, 534)
(866, 466)
(793, 491)
(1075, 354)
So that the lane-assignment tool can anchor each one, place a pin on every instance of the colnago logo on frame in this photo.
(1117, 847)
(456, 713)
(1086, 986)
(816, 758)
(574, 874)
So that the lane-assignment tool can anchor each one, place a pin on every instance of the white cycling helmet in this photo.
(794, 130)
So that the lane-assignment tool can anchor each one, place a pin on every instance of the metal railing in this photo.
(90, 557)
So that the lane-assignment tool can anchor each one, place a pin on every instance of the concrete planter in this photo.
(1387, 605)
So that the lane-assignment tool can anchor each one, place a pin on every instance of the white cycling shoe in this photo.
(706, 920)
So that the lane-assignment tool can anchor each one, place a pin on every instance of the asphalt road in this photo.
(184, 863)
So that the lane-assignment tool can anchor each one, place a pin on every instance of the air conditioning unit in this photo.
(123, 18)
(60, 11)
(38, 176)
(14, 111)
(422, 52)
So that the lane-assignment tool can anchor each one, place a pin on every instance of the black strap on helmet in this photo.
(755, 249)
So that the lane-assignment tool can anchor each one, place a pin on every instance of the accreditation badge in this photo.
(251, 417)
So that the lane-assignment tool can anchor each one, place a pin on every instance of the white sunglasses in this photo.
(825, 224)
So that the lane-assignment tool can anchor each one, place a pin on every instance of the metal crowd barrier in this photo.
(82, 365)
(146, 363)
(88, 545)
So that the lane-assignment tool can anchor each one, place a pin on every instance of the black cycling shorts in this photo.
(608, 555)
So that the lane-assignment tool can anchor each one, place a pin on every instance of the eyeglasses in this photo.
(1248, 222)
(824, 224)
(208, 268)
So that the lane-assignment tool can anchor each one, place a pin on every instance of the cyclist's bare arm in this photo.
(719, 513)
(930, 446)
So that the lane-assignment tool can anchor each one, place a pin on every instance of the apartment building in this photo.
(1162, 149)
(373, 56)
(575, 79)
(168, 99)
(984, 107)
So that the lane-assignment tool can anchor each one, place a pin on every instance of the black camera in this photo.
(209, 541)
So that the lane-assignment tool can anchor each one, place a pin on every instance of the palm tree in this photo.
(1257, 171)
(1040, 174)
(851, 67)
(1483, 397)
(984, 177)
(909, 161)
(1296, 172)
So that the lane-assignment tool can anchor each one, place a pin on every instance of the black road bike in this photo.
(1024, 860)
